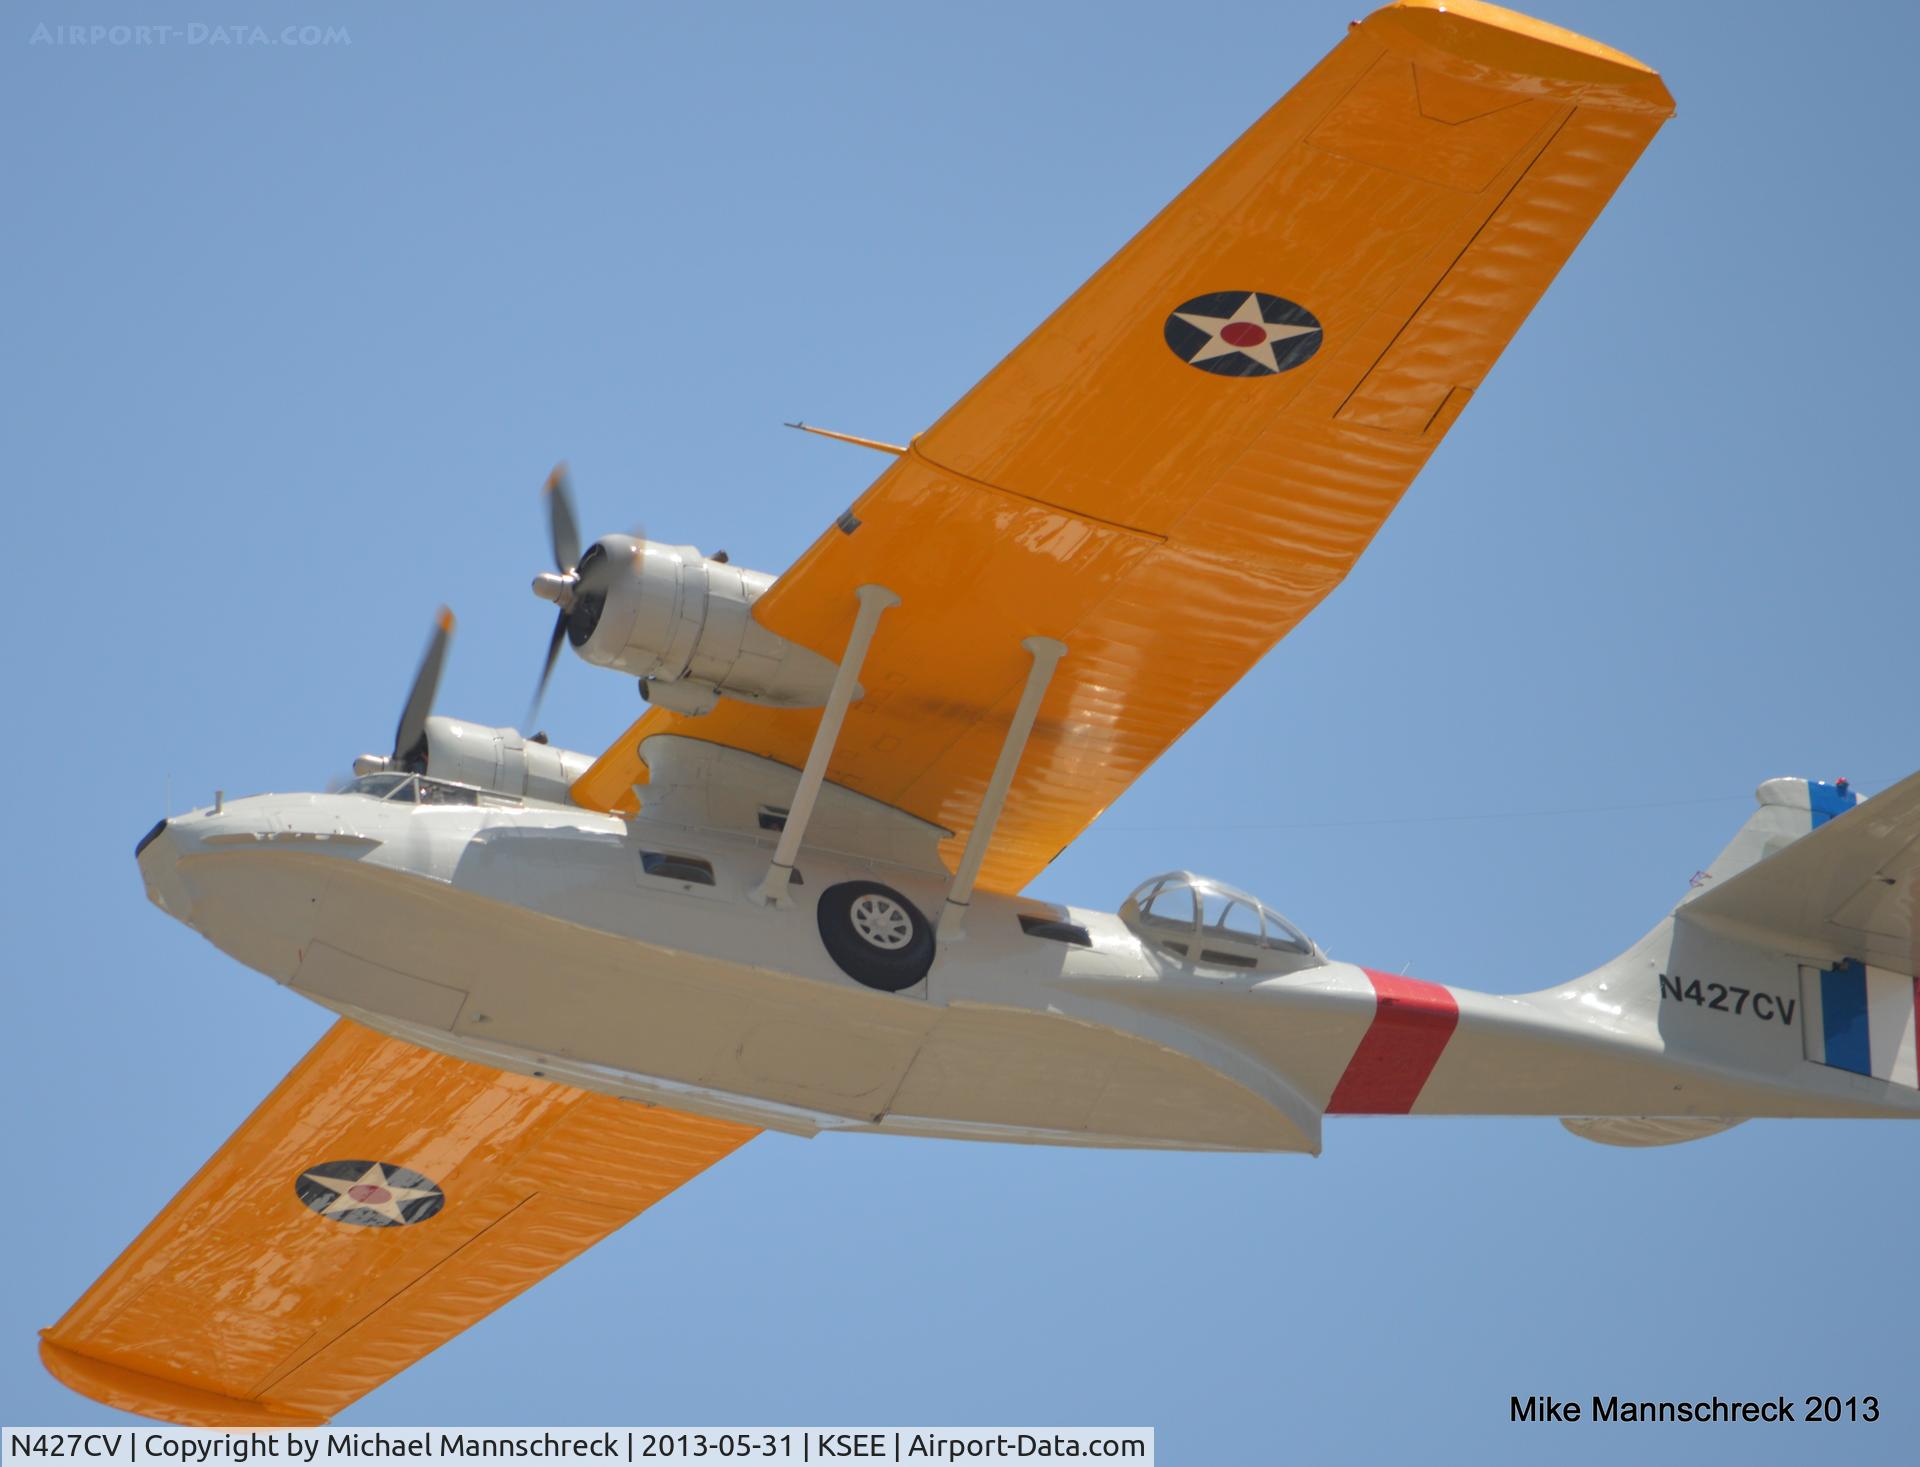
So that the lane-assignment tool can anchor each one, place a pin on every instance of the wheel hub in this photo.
(881, 921)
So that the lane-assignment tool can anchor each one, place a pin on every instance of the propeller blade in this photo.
(561, 526)
(553, 653)
(410, 738)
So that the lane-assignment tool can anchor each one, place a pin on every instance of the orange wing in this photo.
(1394, 218)
(378, 1202)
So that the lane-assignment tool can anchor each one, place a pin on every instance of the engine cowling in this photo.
(684, 625)
(502, 760)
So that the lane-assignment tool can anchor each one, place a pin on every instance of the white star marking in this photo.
(374, 1176)
(1248, 315)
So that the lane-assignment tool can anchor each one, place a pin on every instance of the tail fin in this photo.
(1844, 892)
(1782, 984)
(1842, 901)
(1789, 809)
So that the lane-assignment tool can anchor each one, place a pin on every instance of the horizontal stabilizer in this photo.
(1844, 892)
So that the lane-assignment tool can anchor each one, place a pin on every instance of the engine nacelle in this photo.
(684, 625)
(502, 760)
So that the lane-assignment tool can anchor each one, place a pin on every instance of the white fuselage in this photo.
(528, 937)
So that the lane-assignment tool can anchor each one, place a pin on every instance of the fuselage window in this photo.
(670, 867)
(1055, 930)
(1226, 960)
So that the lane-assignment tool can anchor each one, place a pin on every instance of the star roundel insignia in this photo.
(369, 1194)
(1242, 333)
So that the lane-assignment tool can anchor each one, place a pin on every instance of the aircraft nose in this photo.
(149, 838)
(158, 856)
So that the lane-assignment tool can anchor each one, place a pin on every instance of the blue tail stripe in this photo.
(1828, 800)
(1843, 1007)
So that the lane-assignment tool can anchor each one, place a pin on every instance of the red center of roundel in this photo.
(1242, 333)
(367, 1192)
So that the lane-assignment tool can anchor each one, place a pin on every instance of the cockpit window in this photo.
(439, 792)
(379, 786)
(409, 789)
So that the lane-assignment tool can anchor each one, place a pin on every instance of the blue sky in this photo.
(293, 335)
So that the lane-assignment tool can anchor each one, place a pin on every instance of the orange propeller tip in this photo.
(445, 619)
(554, 478)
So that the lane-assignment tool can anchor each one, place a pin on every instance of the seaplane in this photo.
(789, 896)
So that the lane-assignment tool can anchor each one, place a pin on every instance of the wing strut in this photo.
(772, 890)
(1046, 654)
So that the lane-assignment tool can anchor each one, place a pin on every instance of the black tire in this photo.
(875, 934)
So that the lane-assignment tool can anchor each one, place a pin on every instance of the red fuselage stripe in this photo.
(1412, 1022)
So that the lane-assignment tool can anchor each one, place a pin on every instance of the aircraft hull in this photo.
(531, 940)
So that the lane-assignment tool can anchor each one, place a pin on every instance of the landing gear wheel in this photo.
(875, 934)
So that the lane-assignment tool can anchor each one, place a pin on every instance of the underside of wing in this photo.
(378, 1202)
(1184, 460)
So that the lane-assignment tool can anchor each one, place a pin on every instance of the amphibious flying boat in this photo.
(789, 896)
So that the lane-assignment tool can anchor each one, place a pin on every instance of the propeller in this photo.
(563, 534)
(579, 583)
(410, 737)
(562, 528)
